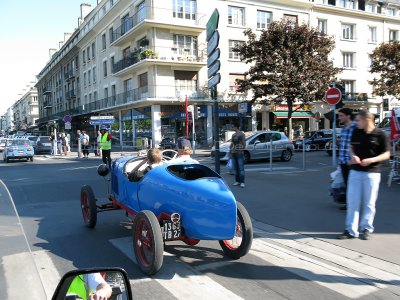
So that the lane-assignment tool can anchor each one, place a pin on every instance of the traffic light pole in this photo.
(214, 97)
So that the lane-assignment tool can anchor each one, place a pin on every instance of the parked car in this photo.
(315, 140)
(43, 145)
(167, 143)
(18, 149)
(258, 145)
(2, 144)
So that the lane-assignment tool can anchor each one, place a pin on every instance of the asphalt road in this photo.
(294, 254)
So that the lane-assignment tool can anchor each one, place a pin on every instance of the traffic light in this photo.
(197, 112)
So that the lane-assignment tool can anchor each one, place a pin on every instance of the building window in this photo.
(112, 62)
(348, 31)
(369, 60)
(93, 50)
(184, 45)
(128, 87)
(106, 93)
(372, 34)
(184, 9)
(84, 79)
(291, 18)
(390, 12)
(88, 53)
(371, 8)
(125, 24)
(323, 26)
(105, 68)
(393, 35)
(264, 18)
(94, 96)
(347, 4)
(89, 77)
(111, 34)
(141, 11)
(94, 75)
(185, 81)
(348, 59)
(113, 93)
(143, 84)
(103, 41)
(90, 98)
(349, 86)
(233, 86)
(235, 16)
(234, 55)
(84, 56)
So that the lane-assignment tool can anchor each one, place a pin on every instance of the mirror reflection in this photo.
(97, 286)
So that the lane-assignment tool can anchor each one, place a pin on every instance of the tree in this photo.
(385, 62)
(289, 64)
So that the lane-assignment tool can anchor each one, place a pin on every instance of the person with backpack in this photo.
(85, 144)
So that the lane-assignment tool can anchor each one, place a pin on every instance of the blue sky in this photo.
(28, 30)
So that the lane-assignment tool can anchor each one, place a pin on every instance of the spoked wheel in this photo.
(148, 242)
(241, 243)
(88, 205)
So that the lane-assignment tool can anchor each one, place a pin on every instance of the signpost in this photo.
(333, 97)
(214, 76)
(102, 120)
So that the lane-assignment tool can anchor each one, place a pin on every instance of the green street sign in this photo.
(212, 24)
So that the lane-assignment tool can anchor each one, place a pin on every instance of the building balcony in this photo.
(149, 17)
(170, 56)
(46, 90)
(352, 97)
(70, 75)
(71, 94)
(147, 93)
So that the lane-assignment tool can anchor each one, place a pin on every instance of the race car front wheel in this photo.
(241, 243)
(148, 242)
(88, 206)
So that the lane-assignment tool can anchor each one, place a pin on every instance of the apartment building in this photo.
(25, 110)
(139, 61)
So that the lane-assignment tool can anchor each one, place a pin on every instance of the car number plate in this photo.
(46, 144)
(171, 230)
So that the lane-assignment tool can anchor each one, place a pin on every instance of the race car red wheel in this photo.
(88, 205)
(241, 243)
(148, 242)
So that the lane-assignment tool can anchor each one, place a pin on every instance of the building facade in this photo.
(25, 110)
(140, 60)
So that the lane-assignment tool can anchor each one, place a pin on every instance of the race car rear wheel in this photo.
(148, 242)
(88, 205)
(241, 243)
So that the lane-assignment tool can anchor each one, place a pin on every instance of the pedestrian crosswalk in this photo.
(337, 270)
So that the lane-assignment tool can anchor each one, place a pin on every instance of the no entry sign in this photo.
(333, 96)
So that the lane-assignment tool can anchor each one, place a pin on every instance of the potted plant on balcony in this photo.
(144, 43)
(148, 53)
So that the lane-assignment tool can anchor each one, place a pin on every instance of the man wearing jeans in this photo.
(237, 147)
(369, 147)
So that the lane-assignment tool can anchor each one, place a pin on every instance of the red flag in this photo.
(395, 125)
(187, 116)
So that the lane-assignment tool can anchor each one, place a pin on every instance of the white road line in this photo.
(268, 169)
(78, 168)
(47, 271)
(183, 281)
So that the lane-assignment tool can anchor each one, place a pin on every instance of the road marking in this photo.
(47, 271)
(78, 168)
(183, 281)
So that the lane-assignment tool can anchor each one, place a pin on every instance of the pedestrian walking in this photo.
(59, 143)
(79, 139)
(369, 147)
(64, 143)
(51, 139)
(237, 147)
(85, 142)
(105, 146)
(98, 143)
(345, 116)
(68, 136)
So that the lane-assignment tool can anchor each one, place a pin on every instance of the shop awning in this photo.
(295, 114)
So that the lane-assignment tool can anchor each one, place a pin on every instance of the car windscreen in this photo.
(44, 139)
(308, 134)
(19, 143)
(32, 138)
(192, 171)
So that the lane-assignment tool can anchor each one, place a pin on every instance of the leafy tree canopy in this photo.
(289, 63)
(386, 64)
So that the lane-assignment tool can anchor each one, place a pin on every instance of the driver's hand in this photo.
(99, 295)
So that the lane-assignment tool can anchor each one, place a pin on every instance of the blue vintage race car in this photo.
(187, 202)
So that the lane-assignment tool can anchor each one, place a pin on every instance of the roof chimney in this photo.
(52, 51)
(67, 35)
(85, 10)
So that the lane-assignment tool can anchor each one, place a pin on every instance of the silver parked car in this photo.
(258, 146)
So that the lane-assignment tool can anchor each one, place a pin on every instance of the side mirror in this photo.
(110, 283)
(257, 142)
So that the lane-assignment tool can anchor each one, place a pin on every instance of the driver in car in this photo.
(154, 159)
(89, 287)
